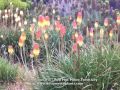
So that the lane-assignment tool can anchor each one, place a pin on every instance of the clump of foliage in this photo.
(97, 63)
(16, 3)
(8, 72)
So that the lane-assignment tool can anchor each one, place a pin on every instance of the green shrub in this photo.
(8, 72)
(101, 64)
(3, 4)
(16, 3)
(20, 4)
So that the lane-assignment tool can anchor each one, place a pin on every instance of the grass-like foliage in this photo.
(98, 63)
(8, 72)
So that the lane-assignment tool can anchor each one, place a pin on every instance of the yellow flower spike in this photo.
(118, 20)
(46, 36)
(21, 42)
(101, 33)
(36, 50)
(79, 18)
(10, 49)
(111, 33)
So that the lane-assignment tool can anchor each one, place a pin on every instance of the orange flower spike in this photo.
(74, 24)
(38, 34)
(62, 31)
(23, 36)
(106, 22)
(79, 40)
(79, 18)
(36, 50)
(10, 49)
(118, 20)
(74, 47)
(21, 42)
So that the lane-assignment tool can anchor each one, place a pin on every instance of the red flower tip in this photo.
(79, 14)
(74, 47)
(36, 46)
(38, 34)
(74, 24)
(80, 38)
(62, 30)
(41, 18)
(47, 18)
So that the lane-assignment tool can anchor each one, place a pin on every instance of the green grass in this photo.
(8, 72)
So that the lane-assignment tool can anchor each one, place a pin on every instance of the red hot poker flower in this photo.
(106, 22)
(62, 30)
(74, 24)
(74, 47)
(35, 46)
(47, 21)
(118, 19)
(57, 25)
(38, 34)
(79, 18)
(32, 27)
(91, 32)
(41, 19)
(36, 49)
(79, 40)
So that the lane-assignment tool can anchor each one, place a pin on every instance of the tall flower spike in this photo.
(10, 49)
(38, 34)
(47, 21)
(79, 18)
(111, 33)
(62, 31)
(41, 22)
(106, 22)
(36, 49)
(101, 33)
(79, 40)
(23, 36)
(46, 36)
(74, 24)
(74, 47)
(32, 27)
(91, 32)
(96, 24)
(118, 20)
(21, 42)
